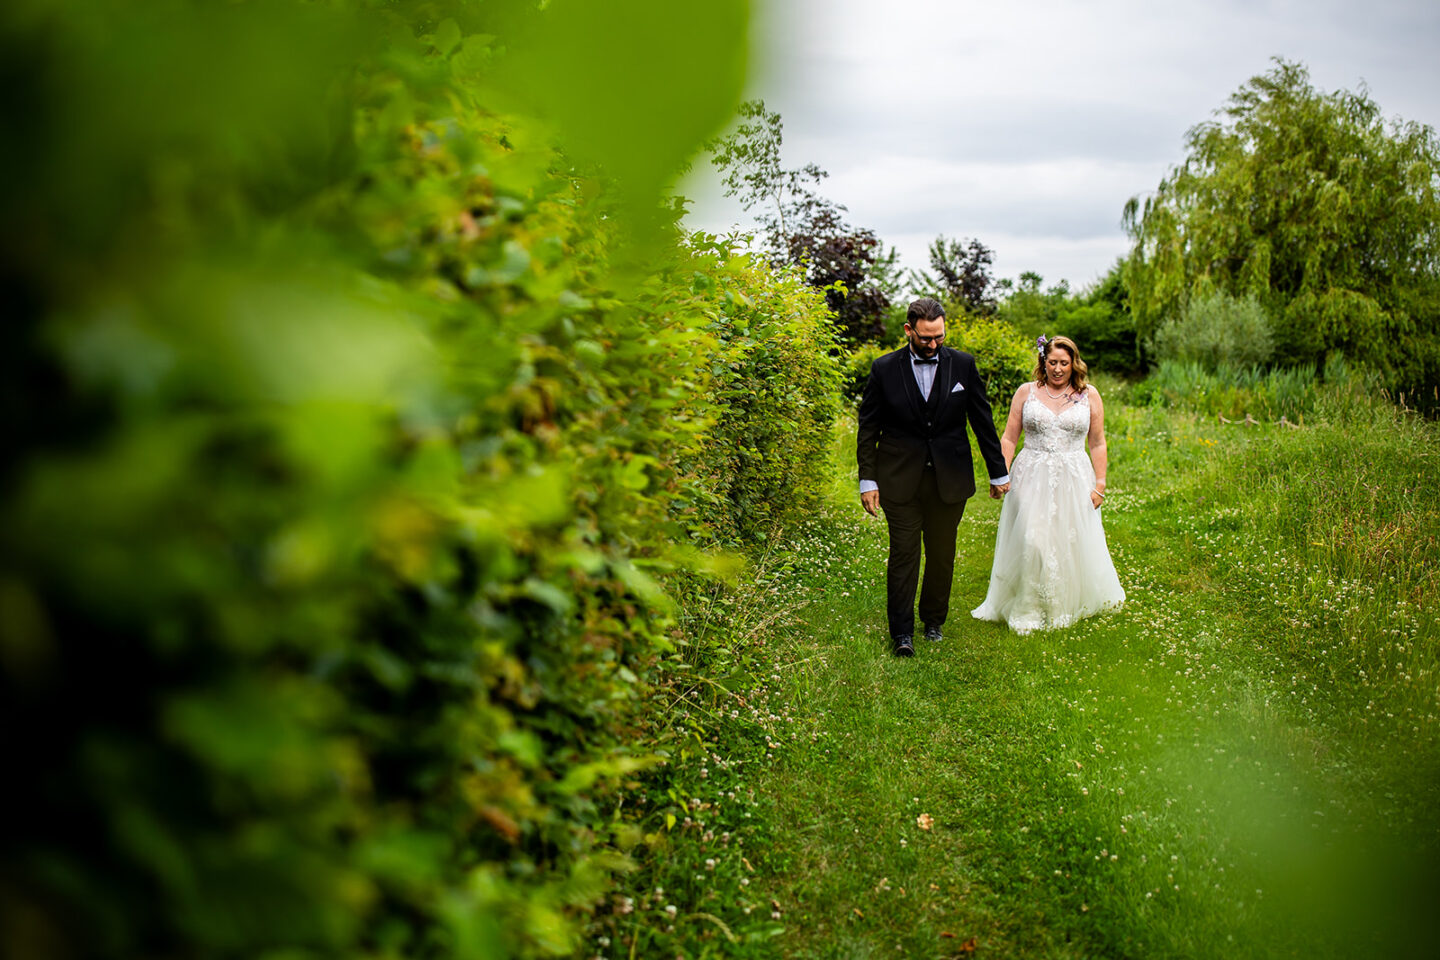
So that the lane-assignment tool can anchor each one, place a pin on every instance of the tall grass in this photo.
(1339, 392)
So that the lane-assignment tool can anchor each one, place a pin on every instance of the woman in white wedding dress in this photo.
(1052, 566)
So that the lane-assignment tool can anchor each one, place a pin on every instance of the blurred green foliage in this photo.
(349, 446)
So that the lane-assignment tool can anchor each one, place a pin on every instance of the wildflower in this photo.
(671, 910)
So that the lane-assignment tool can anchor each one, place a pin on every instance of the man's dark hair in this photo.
(926, 308)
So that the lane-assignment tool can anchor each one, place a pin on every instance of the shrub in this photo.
(1005, 358)
(1106, 337)
(856, 364)
(1217, 330)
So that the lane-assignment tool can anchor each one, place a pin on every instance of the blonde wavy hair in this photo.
(1078, 370)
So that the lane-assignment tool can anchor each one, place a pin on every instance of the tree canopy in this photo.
(1314, 204)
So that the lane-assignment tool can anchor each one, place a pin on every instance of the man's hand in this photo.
(870, 500)
(998, 490)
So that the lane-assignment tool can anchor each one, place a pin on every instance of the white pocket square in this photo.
(957, 388)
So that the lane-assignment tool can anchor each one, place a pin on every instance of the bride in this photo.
(1052, 566)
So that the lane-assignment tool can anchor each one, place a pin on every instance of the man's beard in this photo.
(924, 350)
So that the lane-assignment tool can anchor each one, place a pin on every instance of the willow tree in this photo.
(1316, 205)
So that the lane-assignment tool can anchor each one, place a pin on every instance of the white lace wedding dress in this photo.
(1052, 566)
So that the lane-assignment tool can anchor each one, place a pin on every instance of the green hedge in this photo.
(354, 427)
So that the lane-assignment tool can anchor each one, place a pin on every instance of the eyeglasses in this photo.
(935, 339)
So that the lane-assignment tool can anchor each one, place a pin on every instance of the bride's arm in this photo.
(1096, 439)
(1014, 426)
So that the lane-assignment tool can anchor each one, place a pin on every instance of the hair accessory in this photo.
(1040, 342)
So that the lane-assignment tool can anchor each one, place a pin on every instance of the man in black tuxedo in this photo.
(914, 458)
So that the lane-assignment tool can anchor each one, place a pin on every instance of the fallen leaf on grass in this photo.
(925, 821)
(968, 946)
(747, 864)
(859, 914)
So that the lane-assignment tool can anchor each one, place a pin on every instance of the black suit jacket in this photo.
(900, 431)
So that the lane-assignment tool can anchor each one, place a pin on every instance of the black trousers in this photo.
(929, 520)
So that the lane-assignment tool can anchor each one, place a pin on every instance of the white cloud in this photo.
(1028, 125)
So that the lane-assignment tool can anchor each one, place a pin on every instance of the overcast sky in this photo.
(1028, 125)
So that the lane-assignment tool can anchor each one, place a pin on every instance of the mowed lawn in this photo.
(1242, 762)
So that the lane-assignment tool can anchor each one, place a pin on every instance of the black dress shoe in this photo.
(932, 634)
(904, 647)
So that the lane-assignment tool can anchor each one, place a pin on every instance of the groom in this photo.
(914, 458)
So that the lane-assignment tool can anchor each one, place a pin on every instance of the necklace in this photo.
(1052, 396)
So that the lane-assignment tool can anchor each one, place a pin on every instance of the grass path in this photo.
(1196, 775)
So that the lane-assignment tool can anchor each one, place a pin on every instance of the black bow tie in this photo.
(926, 359)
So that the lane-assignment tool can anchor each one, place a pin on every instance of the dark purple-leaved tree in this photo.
(961, 275)
(802, 228)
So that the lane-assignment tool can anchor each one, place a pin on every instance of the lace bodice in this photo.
(1049, 432)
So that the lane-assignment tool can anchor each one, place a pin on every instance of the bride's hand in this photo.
(1096, 498)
